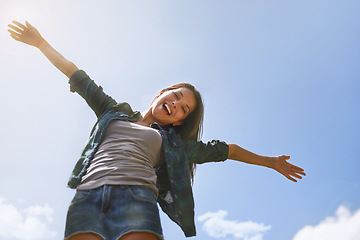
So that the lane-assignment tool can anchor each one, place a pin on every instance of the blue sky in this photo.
(277, 77)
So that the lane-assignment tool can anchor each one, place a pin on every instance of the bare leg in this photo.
(86, 236)
(139, 236)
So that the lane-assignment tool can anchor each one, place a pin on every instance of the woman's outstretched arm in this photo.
(31, 36)
(279, 163)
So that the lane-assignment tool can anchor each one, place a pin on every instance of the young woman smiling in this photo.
(133, 161)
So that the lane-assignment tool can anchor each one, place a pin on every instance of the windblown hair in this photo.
(192, 125)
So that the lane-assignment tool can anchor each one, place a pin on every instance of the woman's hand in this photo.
(29, 35)
(287, 169)
(279, 163)
(26, 34)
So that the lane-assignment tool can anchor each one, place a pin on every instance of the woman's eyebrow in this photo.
(182, 95)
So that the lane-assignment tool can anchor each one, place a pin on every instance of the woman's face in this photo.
(173, 106)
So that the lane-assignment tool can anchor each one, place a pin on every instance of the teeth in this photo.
(168, 109)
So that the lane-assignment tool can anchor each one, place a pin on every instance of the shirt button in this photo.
(175, 196)
(179, 212)
(172, 181)
(168, 165)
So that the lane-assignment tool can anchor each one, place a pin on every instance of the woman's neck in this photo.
(146, 118)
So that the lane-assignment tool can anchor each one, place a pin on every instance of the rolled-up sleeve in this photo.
(212, 151)
(93, 94)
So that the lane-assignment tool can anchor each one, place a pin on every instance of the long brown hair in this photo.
(192, 125)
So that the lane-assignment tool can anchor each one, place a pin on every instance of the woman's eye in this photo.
(184, 110)
(176, 95)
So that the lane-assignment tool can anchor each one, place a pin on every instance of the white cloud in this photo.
(344, 225)
(46, 211)
(215, 225)
(29, 224)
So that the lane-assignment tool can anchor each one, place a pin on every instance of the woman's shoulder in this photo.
(124, 108)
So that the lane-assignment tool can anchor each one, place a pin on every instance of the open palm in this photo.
(25, 33)
(287, 169)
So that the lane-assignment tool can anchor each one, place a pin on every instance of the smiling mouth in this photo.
(167, 109)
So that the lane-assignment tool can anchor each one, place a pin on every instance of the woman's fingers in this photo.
(294, 172)
(296, 175)
(19, 24)
(14, 35)
(18, 30)
(290, 171)
(302, 173)
(299, 171)
(292, 176)
(297, 168)
(292, 179)
(29, 25)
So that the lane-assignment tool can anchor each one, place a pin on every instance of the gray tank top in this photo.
(127, 156)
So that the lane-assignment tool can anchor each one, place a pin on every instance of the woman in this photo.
(132, 160)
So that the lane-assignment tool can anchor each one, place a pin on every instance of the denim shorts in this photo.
(112, 211)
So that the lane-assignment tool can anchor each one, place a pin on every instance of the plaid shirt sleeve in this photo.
(93, 94)
(200, 152)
